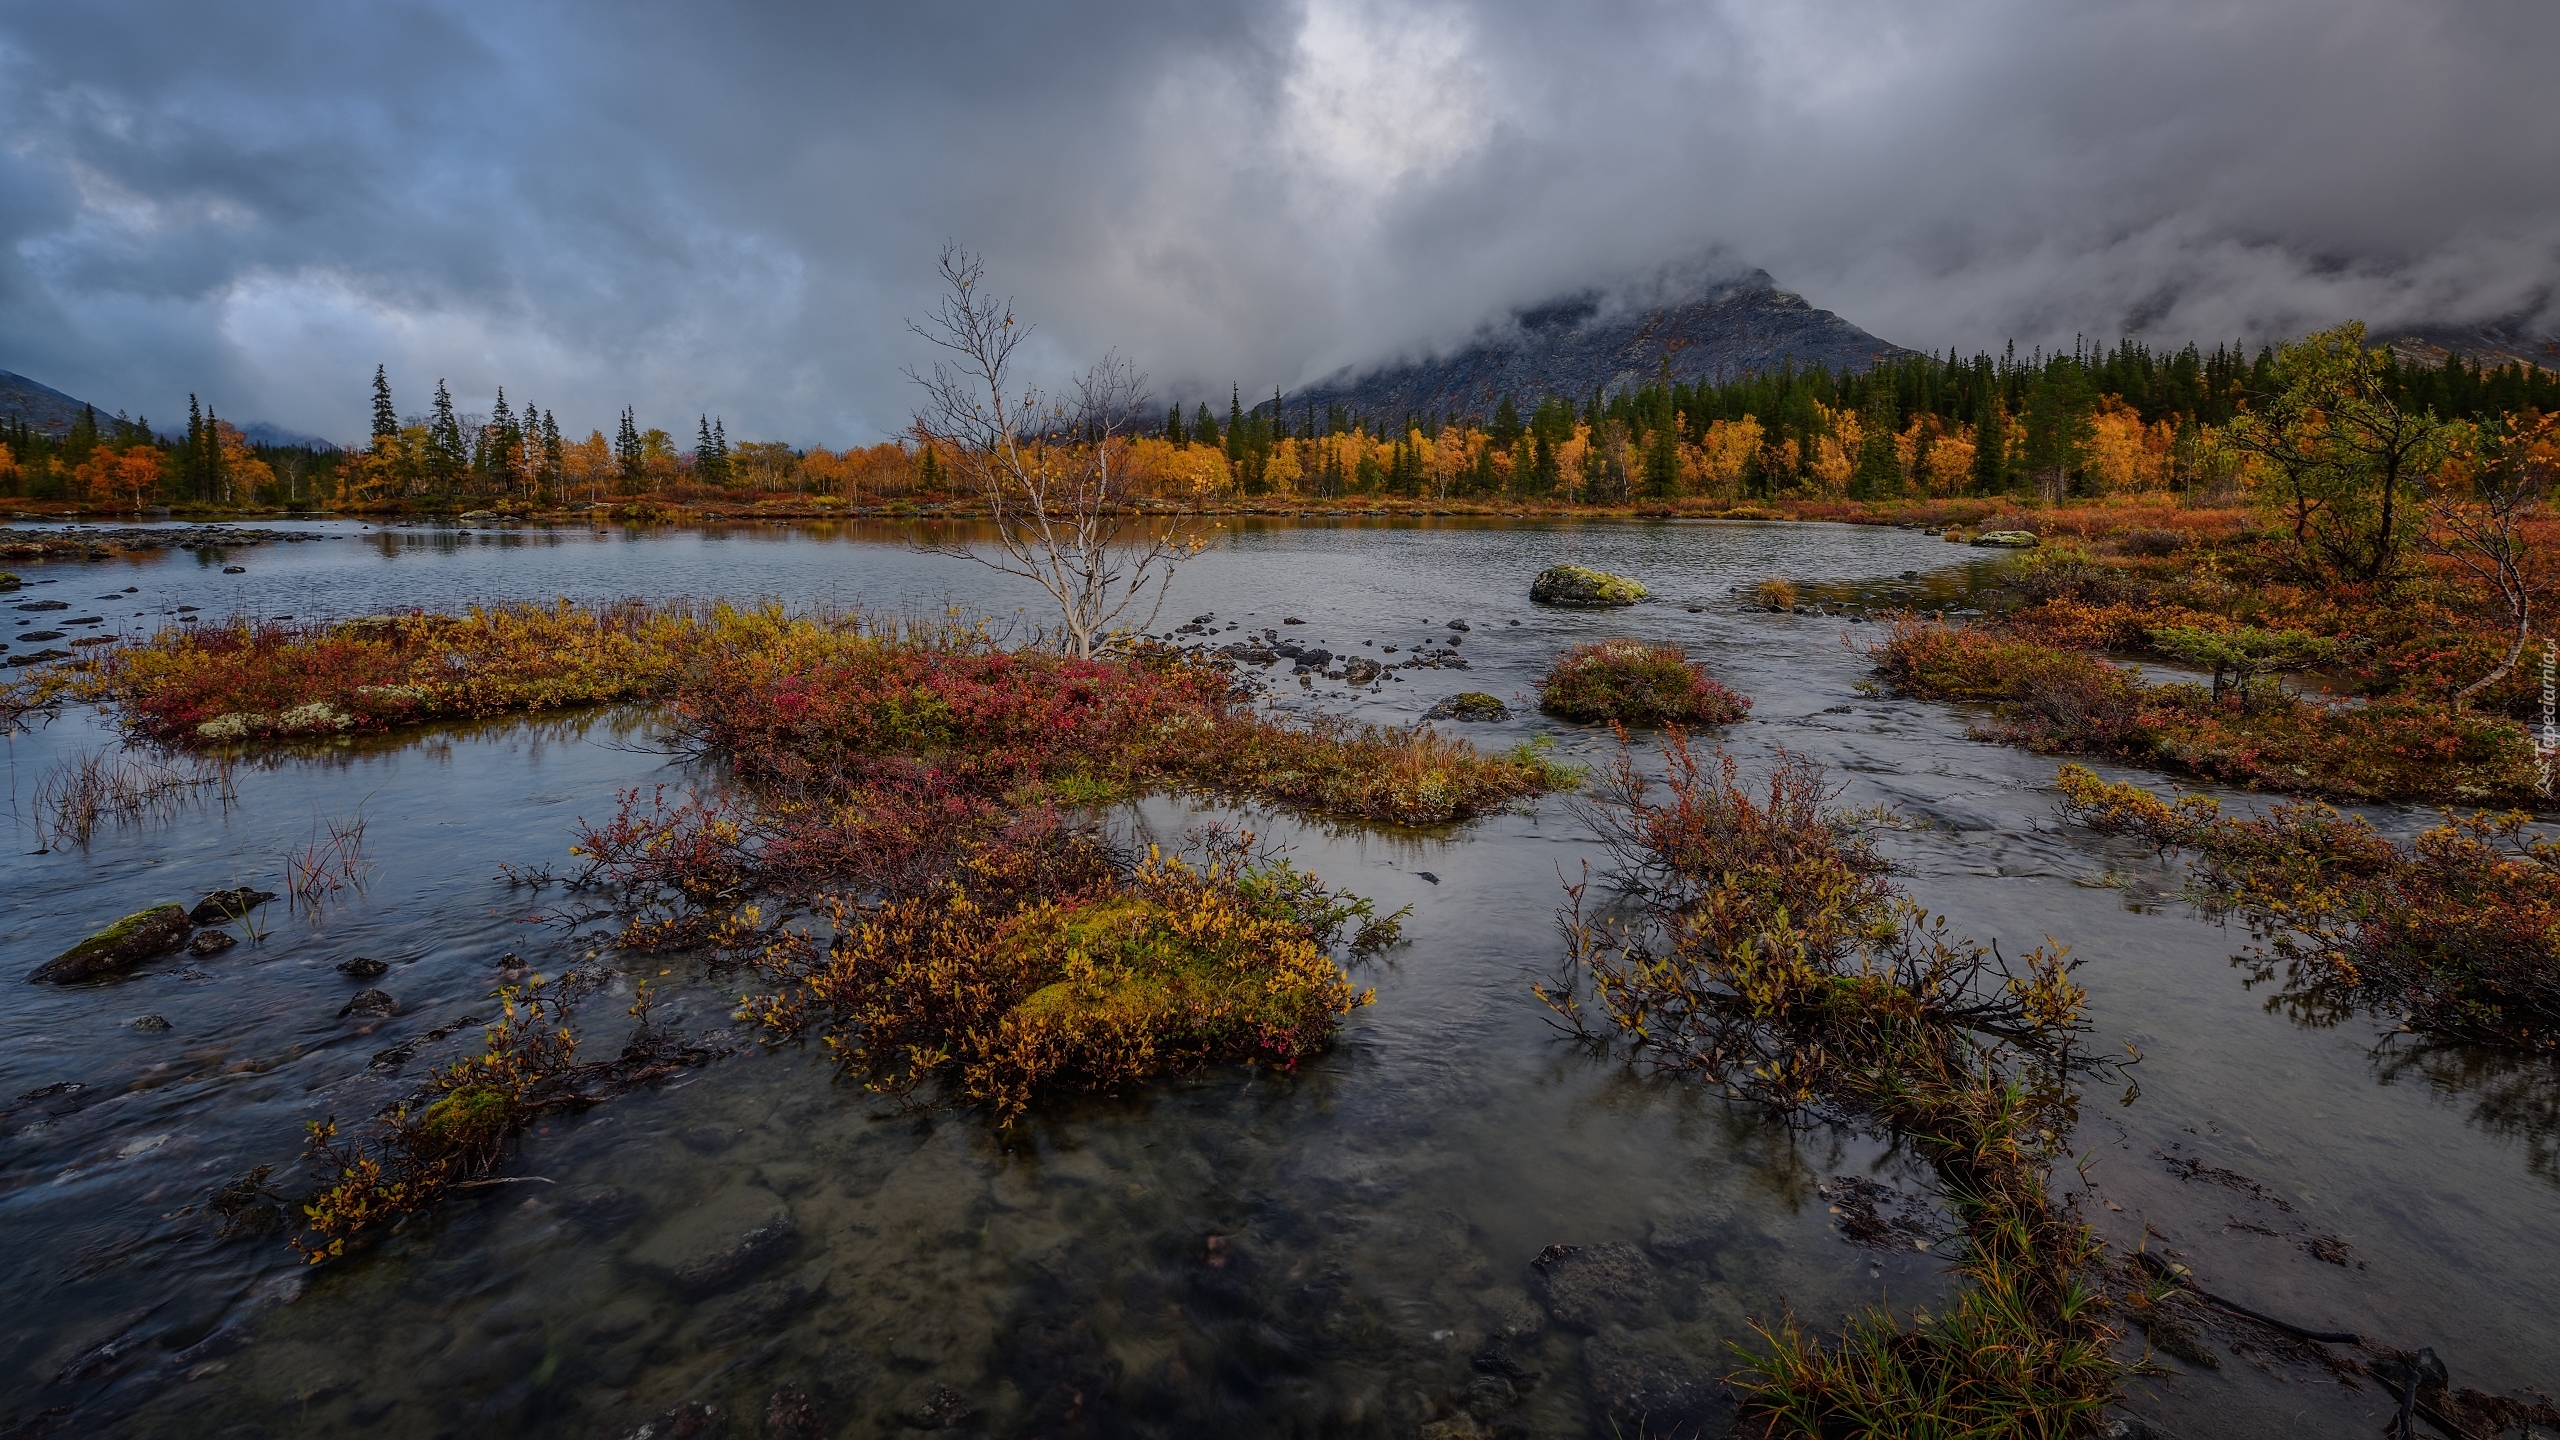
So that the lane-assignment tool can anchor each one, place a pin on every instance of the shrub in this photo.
(2459, 929)
(1774, 595)
(1774, 957)
(1008, 992)
(1630, 683)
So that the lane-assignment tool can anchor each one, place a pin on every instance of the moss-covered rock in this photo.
(1580, 585)
(142, 935)
(2007, 539)
(1471, 705)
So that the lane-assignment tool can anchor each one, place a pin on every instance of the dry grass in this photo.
(102, 787)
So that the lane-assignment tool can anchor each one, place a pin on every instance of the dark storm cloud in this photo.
(692, 209)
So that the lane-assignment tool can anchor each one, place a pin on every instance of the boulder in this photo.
(229, 904)
(2007, 539)
(211, 942)
(1577, 585)
(142, 935)
(1469, 705)
(370, 1003)
(362, 968)
(1360, 670)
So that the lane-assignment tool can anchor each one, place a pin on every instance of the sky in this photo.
(734, 209)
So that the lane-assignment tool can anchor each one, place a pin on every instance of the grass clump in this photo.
(1773, 956)
(1005, 988)
(2458, 930)
(2058, 701)
(1774, 595)
(1631, 683)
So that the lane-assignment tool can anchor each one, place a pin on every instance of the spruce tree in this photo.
(626, 448)
(1204, 426)
(445, 454)
(1173, 430)
(386, 420)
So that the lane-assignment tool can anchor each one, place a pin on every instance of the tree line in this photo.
(2091, 421)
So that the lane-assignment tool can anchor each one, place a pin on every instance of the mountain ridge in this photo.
(1596, 340)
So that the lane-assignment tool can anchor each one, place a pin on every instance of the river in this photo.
(1232, 1252)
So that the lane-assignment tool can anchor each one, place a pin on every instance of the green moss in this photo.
(1581, 585)
(466, 1116)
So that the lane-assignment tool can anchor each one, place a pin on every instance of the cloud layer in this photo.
(687, 210)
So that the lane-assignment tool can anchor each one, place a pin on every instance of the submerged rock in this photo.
(1469, 705)
(1648, 1385)
(371, 1003)
(211, 942)
(1579, 585)
(1589, 1286)
(2007, 539)
(692, 1420)
(725, 1239)
(229, 904)
(142, 935)
(362, 968)
(151, 1023)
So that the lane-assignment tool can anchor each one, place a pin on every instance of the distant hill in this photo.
(41, 406)
(2499, 342)
(1713, 328)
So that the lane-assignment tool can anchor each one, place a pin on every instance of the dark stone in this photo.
(1589, 1286)
(943, 1409)
(1362, 671)
(1654, 1387)
(235, 569)
(211, 942)
(229, 904)
(1286, 620)
(371, 1003)
(31, 636)
(46, 605)
(39, 657)
(152, 1023)
(362, 968)
(142, 935)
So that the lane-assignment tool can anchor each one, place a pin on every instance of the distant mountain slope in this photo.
(2499, 342)
(1722, 329)
(41, 406)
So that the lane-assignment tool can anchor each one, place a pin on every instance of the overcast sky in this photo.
(731, 208)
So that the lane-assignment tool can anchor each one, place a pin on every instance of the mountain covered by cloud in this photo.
(731, 210)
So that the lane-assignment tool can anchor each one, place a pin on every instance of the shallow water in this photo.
(1321, 1253)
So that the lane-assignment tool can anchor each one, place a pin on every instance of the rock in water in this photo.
(230, 904)
(211, 942)
(142, 935)
(362, 967)
(728, 1238)
(1469, 705)
(1577, 585)
(1361, 670)
(371, 1003)
(1589, 1286)
(1645, 1386)
(2007, 539)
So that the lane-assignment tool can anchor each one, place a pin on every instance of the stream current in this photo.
(1343, 1251)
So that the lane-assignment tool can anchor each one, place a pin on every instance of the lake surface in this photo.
(1324, 1253)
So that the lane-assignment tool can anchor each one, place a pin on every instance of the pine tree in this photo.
(626, 448)
(720, 445)
(445, 454)
(552, 455)
(1204, 426)
(1235, 424)
(386, 420)
(1173, 430)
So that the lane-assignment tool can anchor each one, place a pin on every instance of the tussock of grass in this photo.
(1631, 683)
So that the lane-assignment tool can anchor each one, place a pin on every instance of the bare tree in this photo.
(2479, 526)
(1049, 468)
